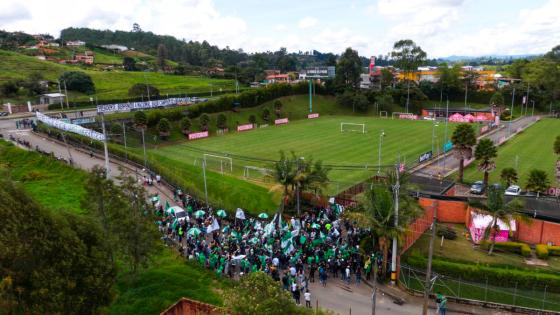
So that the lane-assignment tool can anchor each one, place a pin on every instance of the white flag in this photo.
(213, 227)
(240, 214)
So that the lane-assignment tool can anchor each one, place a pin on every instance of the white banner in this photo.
(70, 127)
(240, 214)
(126, 107)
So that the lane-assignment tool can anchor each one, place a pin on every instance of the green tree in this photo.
(161, 56)
(164, 128)
(376, 211)
(34, 85)
(257, 293)
(284, 173)
(278, 108)
(348, 70)
(78, 81)
(463, 139)
(499, 210)
(449, 78)
(509, 176)
(140, 119)
(9, 88)
(485, 152)
(221, 121)
(497, 99)
(407, 56)
(537, 181)
(556, 148)
(385, 102)
(186, 125)
(204, 120)
(265, 115)
(143, 90)
(129, 64)
(138, 234)
(252, 119)
(387, 78)
(52, 263)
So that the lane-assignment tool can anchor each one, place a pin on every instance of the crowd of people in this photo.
(295, 251)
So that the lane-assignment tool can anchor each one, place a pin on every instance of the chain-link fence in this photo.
(538, 297)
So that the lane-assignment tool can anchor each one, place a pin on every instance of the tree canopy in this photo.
(78, 81)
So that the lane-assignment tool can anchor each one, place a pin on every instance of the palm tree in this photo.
(377, 212)
(509, 175)
(499, 210)
(557, 151)
(537, 182)
(463, 139)
(164, 128)
(485, 151)
(283, 173)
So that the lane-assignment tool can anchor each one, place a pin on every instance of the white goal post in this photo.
(383, 114)
(352, 127)
(248, 168)
(225, 162)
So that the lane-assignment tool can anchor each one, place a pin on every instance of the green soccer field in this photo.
(321, 139)
(532, 149)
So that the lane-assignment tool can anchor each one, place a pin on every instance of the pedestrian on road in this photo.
(297, 295)
(307, 297)
(347, 276)
(441, 302)
(358, 275)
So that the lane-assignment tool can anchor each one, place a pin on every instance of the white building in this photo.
(365, 82)
(51, 98)
(75, 43)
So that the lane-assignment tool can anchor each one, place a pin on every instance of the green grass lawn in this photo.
(167, 279)
(52, 183)
(529, 150)
(109, 84)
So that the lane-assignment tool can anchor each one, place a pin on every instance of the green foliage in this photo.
(129, 64)
(449, 78)
(253, 119)
(50, 263)
(511, 247)
(556, 146)
(348, 70)
(407, 55)
(265, 115)
(185, 124)
(505, 277)
(542, 251)
(485, 152)
(497, 99)
(204, 120)
(164, 127)
(161, 56)
(463, 138)
(142, 89)
(447, 232)
(509, 176)
(78, 81)
(9, 88)
(221, 121)
(140, 119)
(257, 293)
(538, 181)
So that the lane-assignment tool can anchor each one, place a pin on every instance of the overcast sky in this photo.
(440, 27)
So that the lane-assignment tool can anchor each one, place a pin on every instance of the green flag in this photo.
(167, 205)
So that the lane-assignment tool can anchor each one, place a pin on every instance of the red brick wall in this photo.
(452, 211)
(421, 224)
(191, 307)
(539, 232)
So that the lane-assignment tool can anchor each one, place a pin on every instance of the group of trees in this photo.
(485, 152)
(77, 81)
(61, 262)
(33, 85)
(294, 175)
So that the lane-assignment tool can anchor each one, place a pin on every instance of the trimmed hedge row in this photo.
(511, 247)
(501, 276)
(543, 251)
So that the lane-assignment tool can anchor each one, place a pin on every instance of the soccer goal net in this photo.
(254, 172)
(218, 162)
(383, 114)
(352, 127)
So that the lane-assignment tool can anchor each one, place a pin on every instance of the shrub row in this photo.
(245, 99)
(511, 247)
(501, 276)
(543, 251)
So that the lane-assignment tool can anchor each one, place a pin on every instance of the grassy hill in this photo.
(109, 84)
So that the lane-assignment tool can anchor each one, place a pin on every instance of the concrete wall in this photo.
(191, 307)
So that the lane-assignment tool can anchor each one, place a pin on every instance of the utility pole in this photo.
(396, 188)
(144, 146)
(511, 117)
(66, 92)
(527, 100)
(374, 293)
(106, 152)
(427, 285)
(70, 159)
(466, 91)
(204, 177)
(124, 139)
(310, 98)
(60, 97)
(381, 136)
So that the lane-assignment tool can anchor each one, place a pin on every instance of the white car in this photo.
(513, 190)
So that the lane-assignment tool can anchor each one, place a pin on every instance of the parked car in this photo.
(477, 188)
(513, 190)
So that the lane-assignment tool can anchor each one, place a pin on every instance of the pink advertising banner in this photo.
(408, 116)
(198, 135)
(281, 121)
(312, 116)
(245, 127)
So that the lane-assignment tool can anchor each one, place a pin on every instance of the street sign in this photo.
(447, 146)
(425, 156)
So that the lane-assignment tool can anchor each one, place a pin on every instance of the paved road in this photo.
(336, 297)
(448, 164)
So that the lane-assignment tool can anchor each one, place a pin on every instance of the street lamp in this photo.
(381, 136)
(511, 113)
(434, 125)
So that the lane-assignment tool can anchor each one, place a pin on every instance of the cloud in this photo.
(13, 12)
(307, 22)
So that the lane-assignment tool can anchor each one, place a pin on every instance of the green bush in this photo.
(510, 247)
(447, 232)
(554, 250)
(499, 275)
(541, 251)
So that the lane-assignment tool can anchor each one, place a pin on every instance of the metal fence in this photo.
(535, 300)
